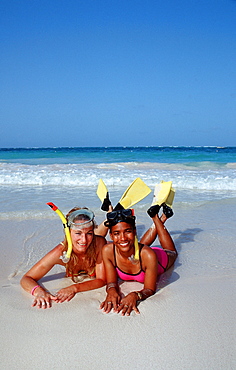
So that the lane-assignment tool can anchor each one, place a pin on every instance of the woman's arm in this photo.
(29, 281)
(66, 294)
(149, 264)
(113, 295)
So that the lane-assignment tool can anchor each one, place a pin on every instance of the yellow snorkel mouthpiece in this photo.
(66, 255)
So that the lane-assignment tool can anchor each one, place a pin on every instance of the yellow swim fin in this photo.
(162, 192)
(137, 191)
(170, 198)
(103, 195)
(101, 190)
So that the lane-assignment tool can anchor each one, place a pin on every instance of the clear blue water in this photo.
(187, 155)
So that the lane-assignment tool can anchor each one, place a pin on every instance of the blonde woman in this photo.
(86, 258)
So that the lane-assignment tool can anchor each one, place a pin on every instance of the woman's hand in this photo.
(66, 294)
(112, 301)
(43, 299)
(128, 304)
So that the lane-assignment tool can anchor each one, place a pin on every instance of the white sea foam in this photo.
(202, 176)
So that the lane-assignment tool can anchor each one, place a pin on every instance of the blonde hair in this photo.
(90, 258)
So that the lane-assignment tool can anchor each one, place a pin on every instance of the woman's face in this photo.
(123, 236)
(82, 238)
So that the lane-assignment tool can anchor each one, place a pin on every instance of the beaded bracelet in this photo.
(35, 287)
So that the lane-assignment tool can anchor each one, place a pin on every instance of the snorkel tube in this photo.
(135, 257)
(66, 255)
(136, 249)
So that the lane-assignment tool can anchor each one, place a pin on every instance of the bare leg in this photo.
(158, 229)
(102, 230)
(150, 235)
(163, 235)
(166, 240)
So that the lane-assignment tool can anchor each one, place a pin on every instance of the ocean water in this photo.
(30, 177)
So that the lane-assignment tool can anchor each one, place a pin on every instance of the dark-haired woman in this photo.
(118, 258)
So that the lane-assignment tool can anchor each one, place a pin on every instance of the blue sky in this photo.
(113, 73)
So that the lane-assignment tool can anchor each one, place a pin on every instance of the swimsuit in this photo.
(162, 259)
(82, 272)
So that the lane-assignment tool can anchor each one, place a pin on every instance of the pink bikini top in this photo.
(162, 258)
(128, 277)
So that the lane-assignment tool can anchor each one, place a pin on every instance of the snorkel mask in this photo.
(84, 218)
(121, 215)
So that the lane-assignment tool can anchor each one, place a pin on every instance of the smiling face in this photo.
(123, 236)
(82, 238)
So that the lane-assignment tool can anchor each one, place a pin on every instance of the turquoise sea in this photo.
(185, 155)
(31, 176)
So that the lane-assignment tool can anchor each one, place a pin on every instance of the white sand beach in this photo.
(119, 90)
(188, 324)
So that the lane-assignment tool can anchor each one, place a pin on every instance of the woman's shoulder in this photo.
(56, 252)
(108, 249)
(108, 246)
(59, 247)
(100, 241)
(147, 252)
(52, 257)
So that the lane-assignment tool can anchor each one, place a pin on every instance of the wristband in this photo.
(35, 287)
(111, 285)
